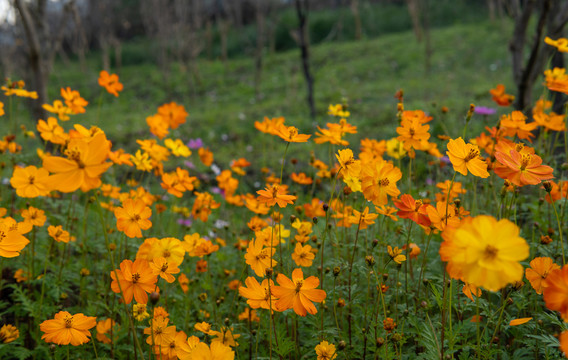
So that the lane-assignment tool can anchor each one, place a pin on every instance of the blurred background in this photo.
(232, 62)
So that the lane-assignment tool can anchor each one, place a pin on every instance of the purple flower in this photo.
(195, 143)
(185, 222)
(482, 110)
(189, 164)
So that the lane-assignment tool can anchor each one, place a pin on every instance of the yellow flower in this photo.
(58, 108)
(396, 254)
(325, 351)
(177, 147)
(485, 252)
(67, 329)
(141, 161)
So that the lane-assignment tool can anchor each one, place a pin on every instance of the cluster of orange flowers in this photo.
(481, 251)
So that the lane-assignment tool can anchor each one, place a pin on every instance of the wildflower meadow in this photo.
(414, 244)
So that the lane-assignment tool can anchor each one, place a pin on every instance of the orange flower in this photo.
(298, 293)
(201, 266)
(314, 208)
(8, 333)
(183, 283)
(269, 126)
(178, 182)
(58, 108)
(515, 125)
(204, 327)
(218, 350)
(30, 182)
(538, 272)
(110, 83)
(387, 211)
(51, 131)
(67, 329)
(164, 269)
(259, 258)
(555, 291)
(132, 218)
(203, 205)
(443, 216)
(225, 337)
(414, 250)
(1, 108)
(412, 133)
(12, 240)
(557, 80)
(103, 327)
(83, 167)
(471, 290)
(258, 295)
(561, 44)
(557, 192)
(58, 234)
(522, 169)
(552, 121)
(303, 255)
(301, 179)
(499, 96)
(173, 114)
(160, 334)
(74, 101)
(34, 216)
(206, 156)
(415, 210)
(378, 179)
(249, 315)
(136, 280)
(466, 157)
(119, 157)
(275, 194)
(348, 164)
(363, 219)
(290, 134)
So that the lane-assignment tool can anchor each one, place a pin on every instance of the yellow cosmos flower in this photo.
(485, 252)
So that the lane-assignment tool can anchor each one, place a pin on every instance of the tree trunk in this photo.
(357, 18)
(302, 8)
(259, 47)
(35, 57)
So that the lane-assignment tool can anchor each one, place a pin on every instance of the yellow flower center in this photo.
(526, 159)
(135, 277)
(164, 267)
(31, 180)
(411, 132)
(491, 252)
(299, 285)
(167, 253)
(68, 321)
(472, 154)
(383, 182)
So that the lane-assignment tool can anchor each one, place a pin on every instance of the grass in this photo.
(467, 61)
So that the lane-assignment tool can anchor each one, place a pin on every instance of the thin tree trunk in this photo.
(37, 61)
(259, 47)
(357, 18)
(302, 12)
